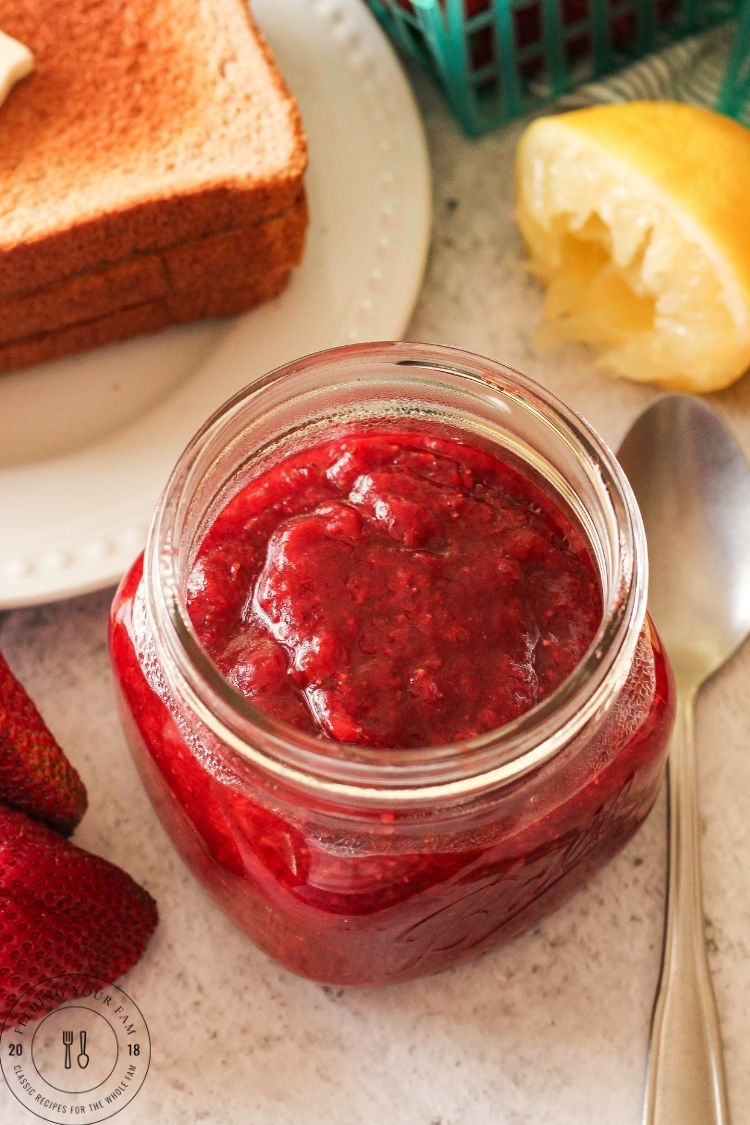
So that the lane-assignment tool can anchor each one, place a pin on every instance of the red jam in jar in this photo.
(394, 589)
(391, 695)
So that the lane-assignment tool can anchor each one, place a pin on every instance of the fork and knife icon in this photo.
(83, 1059)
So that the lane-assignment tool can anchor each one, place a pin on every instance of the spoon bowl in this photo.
(692, 484)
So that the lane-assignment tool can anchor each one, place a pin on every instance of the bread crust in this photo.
(151, 316)
(236, 257)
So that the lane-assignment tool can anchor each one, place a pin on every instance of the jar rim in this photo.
(410, 775)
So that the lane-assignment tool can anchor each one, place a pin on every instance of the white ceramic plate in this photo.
(88, 441)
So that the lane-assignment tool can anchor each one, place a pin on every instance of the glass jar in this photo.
(353, 865)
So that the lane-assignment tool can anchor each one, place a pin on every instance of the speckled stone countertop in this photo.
(549, 1029)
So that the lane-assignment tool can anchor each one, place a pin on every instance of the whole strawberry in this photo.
(62, 910)
(35, 775)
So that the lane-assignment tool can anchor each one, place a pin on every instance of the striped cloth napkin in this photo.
(689, 71)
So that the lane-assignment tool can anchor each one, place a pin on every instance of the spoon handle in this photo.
(685, 1080)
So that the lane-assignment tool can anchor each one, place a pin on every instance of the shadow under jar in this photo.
(361, 864)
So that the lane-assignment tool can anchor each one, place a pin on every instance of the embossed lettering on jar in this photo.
(386, 669)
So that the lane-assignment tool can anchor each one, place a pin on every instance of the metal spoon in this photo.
(693, 487)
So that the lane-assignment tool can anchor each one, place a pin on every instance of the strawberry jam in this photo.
(394, 589)
(406, 771)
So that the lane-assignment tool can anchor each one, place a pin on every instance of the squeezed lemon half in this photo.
(637, 219)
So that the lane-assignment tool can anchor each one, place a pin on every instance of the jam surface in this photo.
(395, 590)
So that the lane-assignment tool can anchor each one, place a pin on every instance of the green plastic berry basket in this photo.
(496, 59)
(734, 97)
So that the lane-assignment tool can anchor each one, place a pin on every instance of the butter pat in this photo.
(16, 61)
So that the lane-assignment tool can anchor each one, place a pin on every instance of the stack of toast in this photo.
(151, 168)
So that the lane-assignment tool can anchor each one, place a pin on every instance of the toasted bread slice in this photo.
(235, 258)
(173, 308)
(145, 124)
